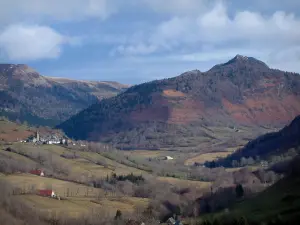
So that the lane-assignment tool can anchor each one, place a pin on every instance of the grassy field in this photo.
(252, 168)
(62, 188)
(75, 207)
(84, 164)
(185, 183)
(113, 166)
(146, 153)
(206, 157)
(18, 157)
(79, 199)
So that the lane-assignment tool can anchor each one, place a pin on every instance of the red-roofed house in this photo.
(38, 172)
(47, 193)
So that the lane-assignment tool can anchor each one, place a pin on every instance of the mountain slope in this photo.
(169, 112)
(278, 204)
(27, 96)
(270, 144)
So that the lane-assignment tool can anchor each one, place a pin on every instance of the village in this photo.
(50, 139)
(46, 139)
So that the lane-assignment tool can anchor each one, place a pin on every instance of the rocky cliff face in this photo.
(243, 91)
(28, 96)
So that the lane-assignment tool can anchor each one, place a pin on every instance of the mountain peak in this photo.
(240, 61)
(240, 57)
(250, 61)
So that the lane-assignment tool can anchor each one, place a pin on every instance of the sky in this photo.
(134, 41)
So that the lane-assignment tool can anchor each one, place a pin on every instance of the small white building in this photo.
(168, 158)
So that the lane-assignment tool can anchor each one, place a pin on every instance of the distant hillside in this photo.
(26, 95)
(12, 132)
(278, 204)
(174, 112)
(265, 146)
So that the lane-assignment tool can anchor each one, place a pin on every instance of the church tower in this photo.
(37, 136)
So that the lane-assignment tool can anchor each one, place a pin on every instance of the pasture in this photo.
(202, 158)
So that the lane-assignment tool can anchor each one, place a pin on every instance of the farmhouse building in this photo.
(38, 172)
(47, 193)
(168, 158)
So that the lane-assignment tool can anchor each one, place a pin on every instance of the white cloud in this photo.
(30, 10)
(25, 42)
(215, 27)
(187, 32)
(177, 6)
(285, 59)
(134, 49)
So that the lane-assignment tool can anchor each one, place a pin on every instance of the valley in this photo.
(93, 178)
(149, 112)
(190, 146)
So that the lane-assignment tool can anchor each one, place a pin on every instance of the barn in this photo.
(38, 172)
(47, 193)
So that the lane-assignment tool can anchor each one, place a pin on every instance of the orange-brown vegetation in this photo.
(173, 93)
(188, 111)
(264, 109)
(10, 131)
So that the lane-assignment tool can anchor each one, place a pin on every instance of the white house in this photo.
(168, 158)
(53, 195)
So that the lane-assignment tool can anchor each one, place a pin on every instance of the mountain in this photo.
(172, 112)
(28, 96)
(268, 145)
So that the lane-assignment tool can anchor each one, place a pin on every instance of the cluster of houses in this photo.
(48, 139)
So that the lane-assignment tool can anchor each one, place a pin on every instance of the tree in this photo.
(18, 122)
(25, 123)
(239, 190)
(235, 163)
(118, 214)
(250, 161)
(243, 161)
